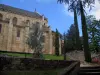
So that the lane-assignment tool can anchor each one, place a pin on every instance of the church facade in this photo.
(15, 25)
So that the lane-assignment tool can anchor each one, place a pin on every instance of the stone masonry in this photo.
(15, 24)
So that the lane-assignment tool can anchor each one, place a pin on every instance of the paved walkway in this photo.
(79, 55)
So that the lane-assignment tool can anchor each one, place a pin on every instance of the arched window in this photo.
(14, 21)
(1, 16)
(7, 19)
(37, 22)
(44, 24)
(0, 28)
(27, 22)
(18, 32)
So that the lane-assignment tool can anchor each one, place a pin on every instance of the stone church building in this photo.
(15, 24)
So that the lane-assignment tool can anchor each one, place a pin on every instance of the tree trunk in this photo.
(78, 44)
(64, 47)
(87, 53)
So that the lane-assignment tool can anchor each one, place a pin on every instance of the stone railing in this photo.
(72, 69)
(28, 64)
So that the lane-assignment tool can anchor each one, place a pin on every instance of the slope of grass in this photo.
(16, 54)
(54, 57)
(46, 56)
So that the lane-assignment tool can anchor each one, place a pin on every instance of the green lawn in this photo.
(54, 57)
(46, 56)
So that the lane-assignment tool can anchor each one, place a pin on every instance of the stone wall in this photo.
(7, 64)
(8, 36)
(14, 20)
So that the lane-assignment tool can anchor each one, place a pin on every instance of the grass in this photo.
(17, 54)
(46, 56)
(54, 57)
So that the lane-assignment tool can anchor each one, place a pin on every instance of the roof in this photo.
(18, 11)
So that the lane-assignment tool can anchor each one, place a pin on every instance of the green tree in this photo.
(73, 8)
(57, 43)
(35, 40)
(80, 5)
(70, 38)
(93, 26)
(64, 45)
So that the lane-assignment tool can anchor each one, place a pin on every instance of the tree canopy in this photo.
(36, 38)
(93, 32)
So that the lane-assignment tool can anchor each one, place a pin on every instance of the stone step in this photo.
(94, 67)
(90, 70)
(89, 73)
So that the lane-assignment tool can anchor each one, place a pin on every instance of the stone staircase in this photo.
(90, 70)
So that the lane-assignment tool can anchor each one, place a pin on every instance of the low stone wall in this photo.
(23, 64)
(13, 52)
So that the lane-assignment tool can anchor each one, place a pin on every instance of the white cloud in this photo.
(95, 10)
(67, 12)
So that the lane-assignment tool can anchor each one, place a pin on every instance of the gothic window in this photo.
(18, 32)
(1, 16)
(7, 19)
(44, 24)
(14, 21)
(0, 28)
(27, 22)
(37, 22)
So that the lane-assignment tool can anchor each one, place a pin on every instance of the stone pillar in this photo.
(59, 46)
(26, 30)
(22, 41)
(50, 42)
(13, 42)
(9, 40)
(5, 35)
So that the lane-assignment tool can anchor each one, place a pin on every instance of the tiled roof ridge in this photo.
(19, 11)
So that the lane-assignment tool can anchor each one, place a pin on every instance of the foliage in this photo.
(64, 46)
(94, 32)
(36, 39)
(70, 40)
(57, 43)
(75, 4)
(79, 5)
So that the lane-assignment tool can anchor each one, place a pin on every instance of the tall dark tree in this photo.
(80, 5)
(85, 35)
(77, 30)
(64, 46)
(57, 43)
(78, 44)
